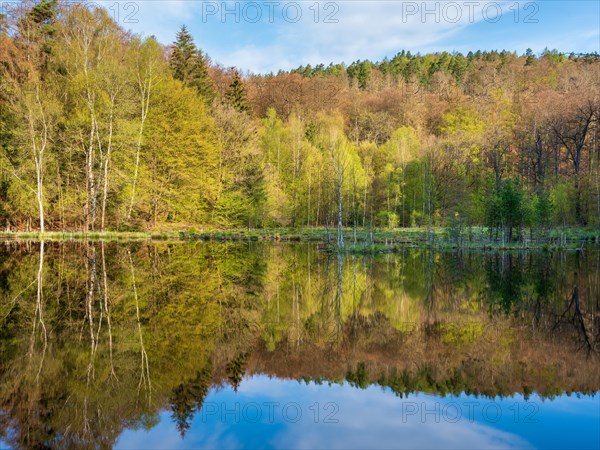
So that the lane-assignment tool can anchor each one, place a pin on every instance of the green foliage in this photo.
(506, 282)
(240, 192)
(530, 57)
(387, 220)
(462, 121)
(542, 210)
(133, 139)
(562, 197)
(506, 209)
(360, 71)
(359, 378)
(178, 176)
(236, 95)
(454, 229)
(190, 66)
(236, 369)
(187, 399)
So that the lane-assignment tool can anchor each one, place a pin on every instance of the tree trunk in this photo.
(145, 89)
(106, 164)
(308, 203)
(340, 202)
(38, 154)
(89, 179)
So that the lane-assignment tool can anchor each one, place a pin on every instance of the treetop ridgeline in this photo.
(102, 130)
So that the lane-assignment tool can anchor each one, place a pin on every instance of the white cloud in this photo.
(340, 30)
(370, 418)
(364, 29)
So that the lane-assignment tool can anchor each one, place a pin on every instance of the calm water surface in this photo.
(230, 345)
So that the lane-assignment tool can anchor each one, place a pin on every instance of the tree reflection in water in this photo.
(98, 337)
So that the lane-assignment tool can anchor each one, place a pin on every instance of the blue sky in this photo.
(262, 36)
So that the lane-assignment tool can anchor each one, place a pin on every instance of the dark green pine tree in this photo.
(190, 65)
(236, 370)
(530, 57)
(40, 27)
(188, 398)
(236, 95)
(202, 81)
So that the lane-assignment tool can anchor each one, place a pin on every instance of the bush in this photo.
(454, 229)
(563, 201)
(506, 208)
(542, 211)
(387, 220)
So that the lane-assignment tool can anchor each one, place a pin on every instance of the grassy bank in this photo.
(367, 241)
(90, 236)
(386, 241)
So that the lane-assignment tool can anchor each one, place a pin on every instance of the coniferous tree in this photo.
(236, 94)
(530, 57)
(190, 65)
(41, 18)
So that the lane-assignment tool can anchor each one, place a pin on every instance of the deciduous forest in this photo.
(102, 130)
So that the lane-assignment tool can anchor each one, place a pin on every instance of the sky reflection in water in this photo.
(274, 413)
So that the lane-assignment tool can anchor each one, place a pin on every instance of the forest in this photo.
(104, 130)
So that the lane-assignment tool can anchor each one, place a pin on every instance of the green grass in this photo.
(382, 240)
(69, 236)
(375, 241)
(406, 235)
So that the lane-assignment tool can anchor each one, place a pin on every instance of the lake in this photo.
(253, 344)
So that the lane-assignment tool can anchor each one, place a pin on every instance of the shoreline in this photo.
(367, 241)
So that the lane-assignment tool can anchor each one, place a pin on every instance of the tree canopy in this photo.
(105, 130)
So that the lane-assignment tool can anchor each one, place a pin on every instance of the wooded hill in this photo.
(104, 130)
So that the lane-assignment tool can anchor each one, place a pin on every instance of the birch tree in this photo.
(148, 70)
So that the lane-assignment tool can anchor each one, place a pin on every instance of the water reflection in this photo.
(99, 338)
(273, 413)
